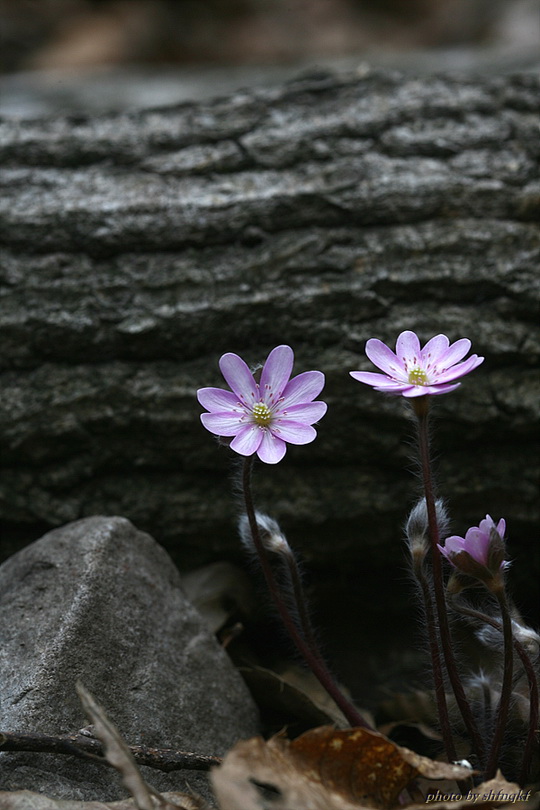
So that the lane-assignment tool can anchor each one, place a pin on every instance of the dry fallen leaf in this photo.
(295, 696)
(432, 768)
(362, 766)
(259, 775)
(366, 765)
(327, 768)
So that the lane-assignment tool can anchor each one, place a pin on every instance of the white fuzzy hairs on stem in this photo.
(271, 535)
(416, 528)
(288, 571)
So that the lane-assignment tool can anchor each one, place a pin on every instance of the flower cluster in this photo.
(263, 416)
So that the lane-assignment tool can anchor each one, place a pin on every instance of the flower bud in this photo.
(271, 535)
(480, 554)
(417, 528)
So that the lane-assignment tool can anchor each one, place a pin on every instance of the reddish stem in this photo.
(506, 690)
(438, 679)
(421, 407)
(312, 659)
(533, 687)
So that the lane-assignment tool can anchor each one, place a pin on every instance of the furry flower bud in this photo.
(417, 528)
(271, 535)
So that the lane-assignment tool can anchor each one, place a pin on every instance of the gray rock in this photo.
(99, 601)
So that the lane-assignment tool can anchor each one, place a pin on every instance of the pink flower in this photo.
(414, 372)
(482, 548)
(263, 416)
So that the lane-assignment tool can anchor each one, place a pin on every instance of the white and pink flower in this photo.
(264, 416)
(411, 371)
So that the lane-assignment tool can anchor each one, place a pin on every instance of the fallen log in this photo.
(137, 248)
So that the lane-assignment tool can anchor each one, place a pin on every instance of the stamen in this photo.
(262, 415)
(417, 376)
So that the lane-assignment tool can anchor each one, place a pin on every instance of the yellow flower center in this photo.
(262, 414)
(417, 376)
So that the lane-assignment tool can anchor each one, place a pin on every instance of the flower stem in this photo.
(533, 687)
(438, 679)
(506, 690)
(313, 659)
(421, 409)
(533, 712)
(300, 600)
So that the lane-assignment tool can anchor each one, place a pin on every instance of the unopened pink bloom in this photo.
(479, 543)
(414, 372)
(263, 416)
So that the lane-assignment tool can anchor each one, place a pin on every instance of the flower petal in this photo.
(307, 412)
(454, 544)
(477, 544)
(248, 440)
(217, 400)
(418, 391)
(444, 551)
(393, 387)
(486, 525)
(303, 388)
(408, 349)
(398, 390)
(239, 378)
(372, 378)
(271, 449)
(460, 370)
(293, 432)
(385, 359)
(433, 350)
(429, 390)
(443, 389)
(275, 374)
(454, 354)
(222, 424)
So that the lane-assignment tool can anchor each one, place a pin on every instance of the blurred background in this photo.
(101, 55)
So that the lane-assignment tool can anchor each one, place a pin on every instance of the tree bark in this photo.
(137, 248)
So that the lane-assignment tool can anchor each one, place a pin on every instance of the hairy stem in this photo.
(506, 691)
(314, 661)
(300, 601)
(531, 678)
(438, 679)
(421, 406)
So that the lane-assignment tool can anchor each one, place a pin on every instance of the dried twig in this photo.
(116, 750)
(79, 745)
(118, 753)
